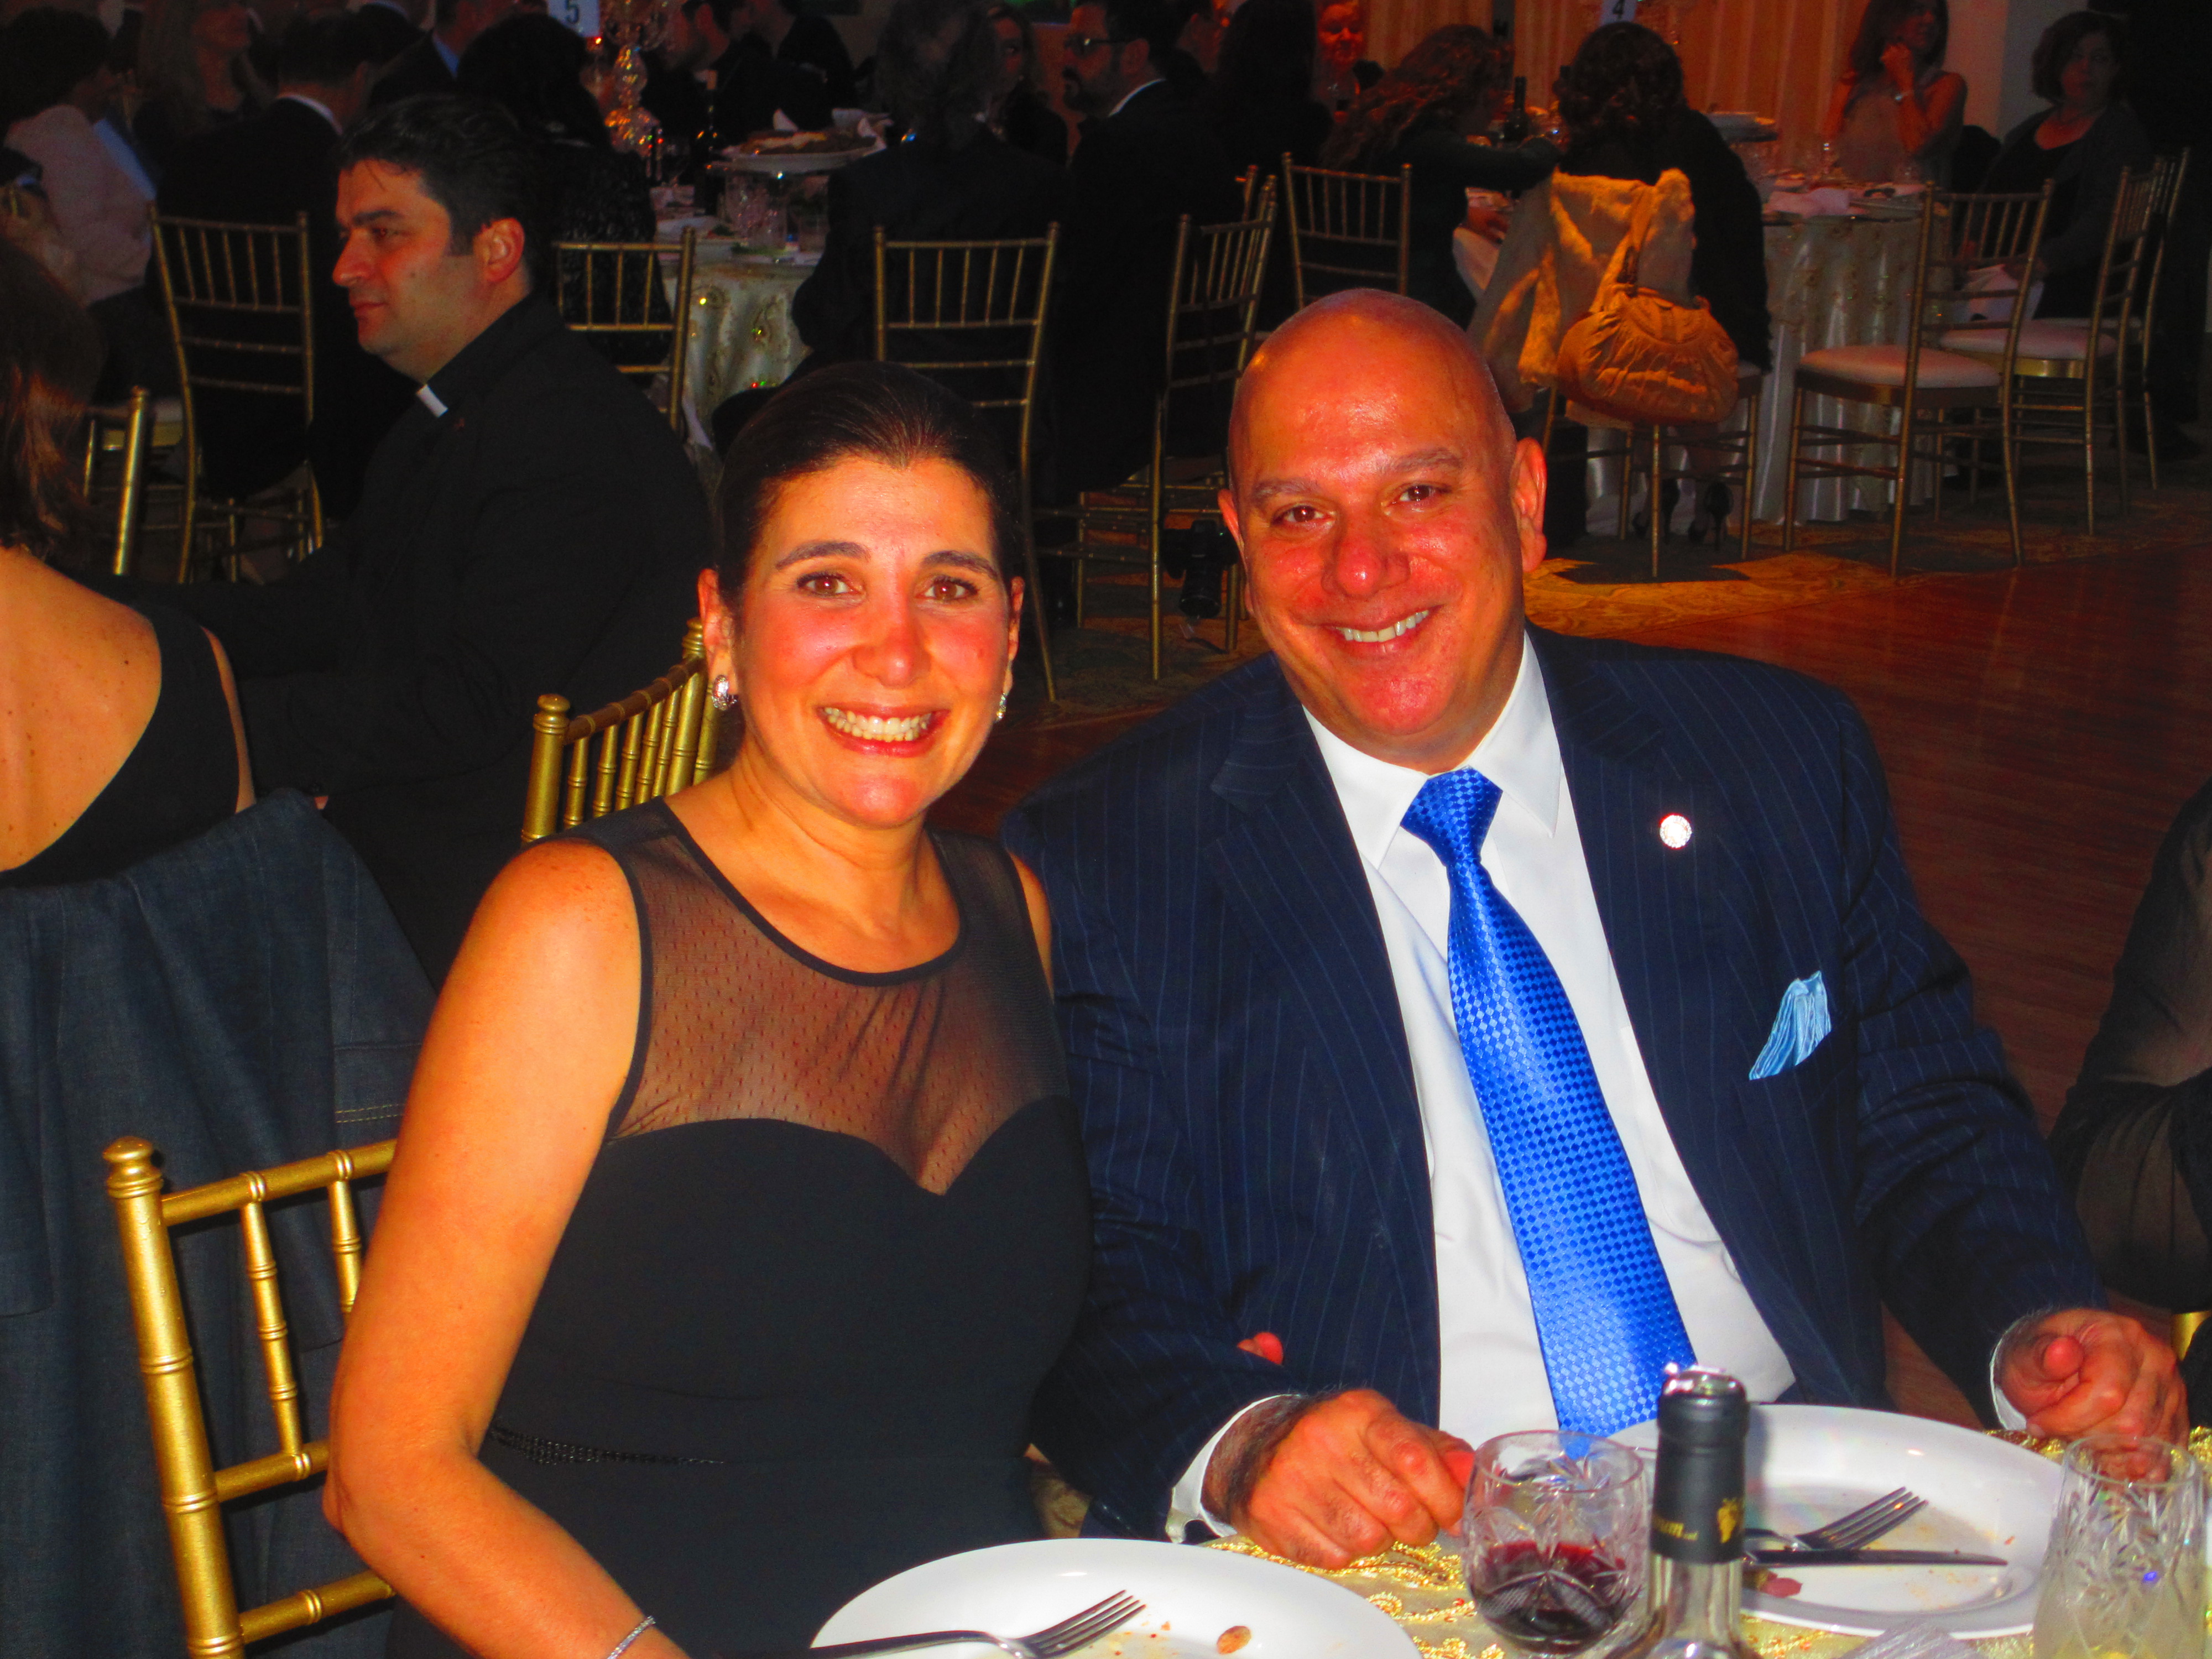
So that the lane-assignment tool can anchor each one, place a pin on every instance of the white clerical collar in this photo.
(314, 103)
(1519, 754)
(1157, 80)
(431, 400)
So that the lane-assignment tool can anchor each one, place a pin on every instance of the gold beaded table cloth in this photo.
(1422, 1588)
(1830, 281)
(741, 330)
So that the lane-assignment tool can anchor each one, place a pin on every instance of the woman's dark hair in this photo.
(937, 65)
(1624, 84)
(168, 67)
(44, 53)
(474, 162)
(1267, 58)
(1883, 18)
(1446, 74)
(1029, 77)
(2064, 39)
(872, 412)
(50, 355)
(532, 67)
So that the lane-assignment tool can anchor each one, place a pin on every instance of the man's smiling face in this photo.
(1386, 516)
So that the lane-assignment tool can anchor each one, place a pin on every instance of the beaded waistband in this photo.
(538, 1449)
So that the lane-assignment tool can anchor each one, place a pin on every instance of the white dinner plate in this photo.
(1808, 1464)
(1191, 1596)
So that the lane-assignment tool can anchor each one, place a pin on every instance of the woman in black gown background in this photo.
(739, 1205)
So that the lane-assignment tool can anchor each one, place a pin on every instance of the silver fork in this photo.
(1077, 1630)
(1853, 1531)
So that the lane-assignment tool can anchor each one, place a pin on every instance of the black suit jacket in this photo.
(390, 29)
(414, 71)
(264, 172)
(751, 84)
(1236, 1051)
(543, 535)
(1134, 174)
(918, 193)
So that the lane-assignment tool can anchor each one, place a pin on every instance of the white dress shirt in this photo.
(1494, 1379)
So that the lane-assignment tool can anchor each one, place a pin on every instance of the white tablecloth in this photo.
(1830, 282)
(741, 330)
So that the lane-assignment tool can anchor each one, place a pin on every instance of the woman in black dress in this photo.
(739, 1207)
(122, 738)
(2082, 144)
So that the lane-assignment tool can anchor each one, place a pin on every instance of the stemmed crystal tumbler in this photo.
(1553, 1539)
(2124, 1577)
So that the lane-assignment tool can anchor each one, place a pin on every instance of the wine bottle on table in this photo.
(1697, 1523)
(1517, 127)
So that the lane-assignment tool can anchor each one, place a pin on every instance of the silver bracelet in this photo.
(622, 1646)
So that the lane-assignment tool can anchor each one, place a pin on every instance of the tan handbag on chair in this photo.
(1642, 358)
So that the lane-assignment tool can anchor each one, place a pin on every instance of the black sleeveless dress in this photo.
(838, 1232)
(179, 780)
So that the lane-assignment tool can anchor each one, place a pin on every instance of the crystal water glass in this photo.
(1553, 1539)
(2124, 1577)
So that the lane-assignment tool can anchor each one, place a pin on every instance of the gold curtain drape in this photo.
(1778, 58)
(1395, 28)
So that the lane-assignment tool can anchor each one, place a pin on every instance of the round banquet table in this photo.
(1830, 281)
(741, 330)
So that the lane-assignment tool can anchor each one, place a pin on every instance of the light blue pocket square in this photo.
(1798, 1028)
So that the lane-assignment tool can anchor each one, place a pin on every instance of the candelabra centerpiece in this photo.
(631, 28)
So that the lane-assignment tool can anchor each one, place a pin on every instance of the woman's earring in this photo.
(1001, 714)
(722, 694)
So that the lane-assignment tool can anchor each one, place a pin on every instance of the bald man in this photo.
(1535, 1012)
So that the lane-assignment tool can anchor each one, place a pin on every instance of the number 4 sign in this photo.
(1618, 11)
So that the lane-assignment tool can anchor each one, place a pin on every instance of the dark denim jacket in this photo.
(242, 1000)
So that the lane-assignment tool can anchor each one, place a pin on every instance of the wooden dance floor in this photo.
(2040, 729)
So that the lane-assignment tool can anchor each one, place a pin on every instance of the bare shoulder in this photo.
(561, 891)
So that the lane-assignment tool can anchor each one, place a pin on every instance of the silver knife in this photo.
(1871, 1557)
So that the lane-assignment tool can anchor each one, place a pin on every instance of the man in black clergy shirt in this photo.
(530, 526)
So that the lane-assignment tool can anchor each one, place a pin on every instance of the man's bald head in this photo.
(1385, 517)
(1305, 354)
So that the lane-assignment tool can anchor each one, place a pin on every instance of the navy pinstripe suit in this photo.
(1256, 1155)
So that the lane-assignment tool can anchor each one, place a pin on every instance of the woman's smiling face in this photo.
(875, 637)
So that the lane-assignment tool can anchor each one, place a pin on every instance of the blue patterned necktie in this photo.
(1605, 1314)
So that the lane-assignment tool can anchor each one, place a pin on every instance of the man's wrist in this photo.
(1245, 1451)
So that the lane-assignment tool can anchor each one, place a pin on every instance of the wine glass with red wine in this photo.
(1553, 1539)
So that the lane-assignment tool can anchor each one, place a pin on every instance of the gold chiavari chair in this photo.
(193, 1491)
(1213, 304)
(241, 305)
(972, 316)
(1969, 253)
(655, 741)
(606, 291)
(2182, 1330)
(1348, 229)
(2063, 390)
(2168, 175)
(125, 430)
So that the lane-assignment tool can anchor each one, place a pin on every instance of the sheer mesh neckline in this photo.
(736, 1022)
(798, 952)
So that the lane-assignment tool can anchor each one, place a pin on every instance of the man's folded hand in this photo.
(1325, 1482)
(2086, 1372)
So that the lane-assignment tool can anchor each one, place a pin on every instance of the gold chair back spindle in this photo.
(2168, 175)
(124, 429)
(605, 291)
(240, 300)
(1213, 309)
(658, 739)
(193, 1490)
(972, 316)
(1348, 229)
